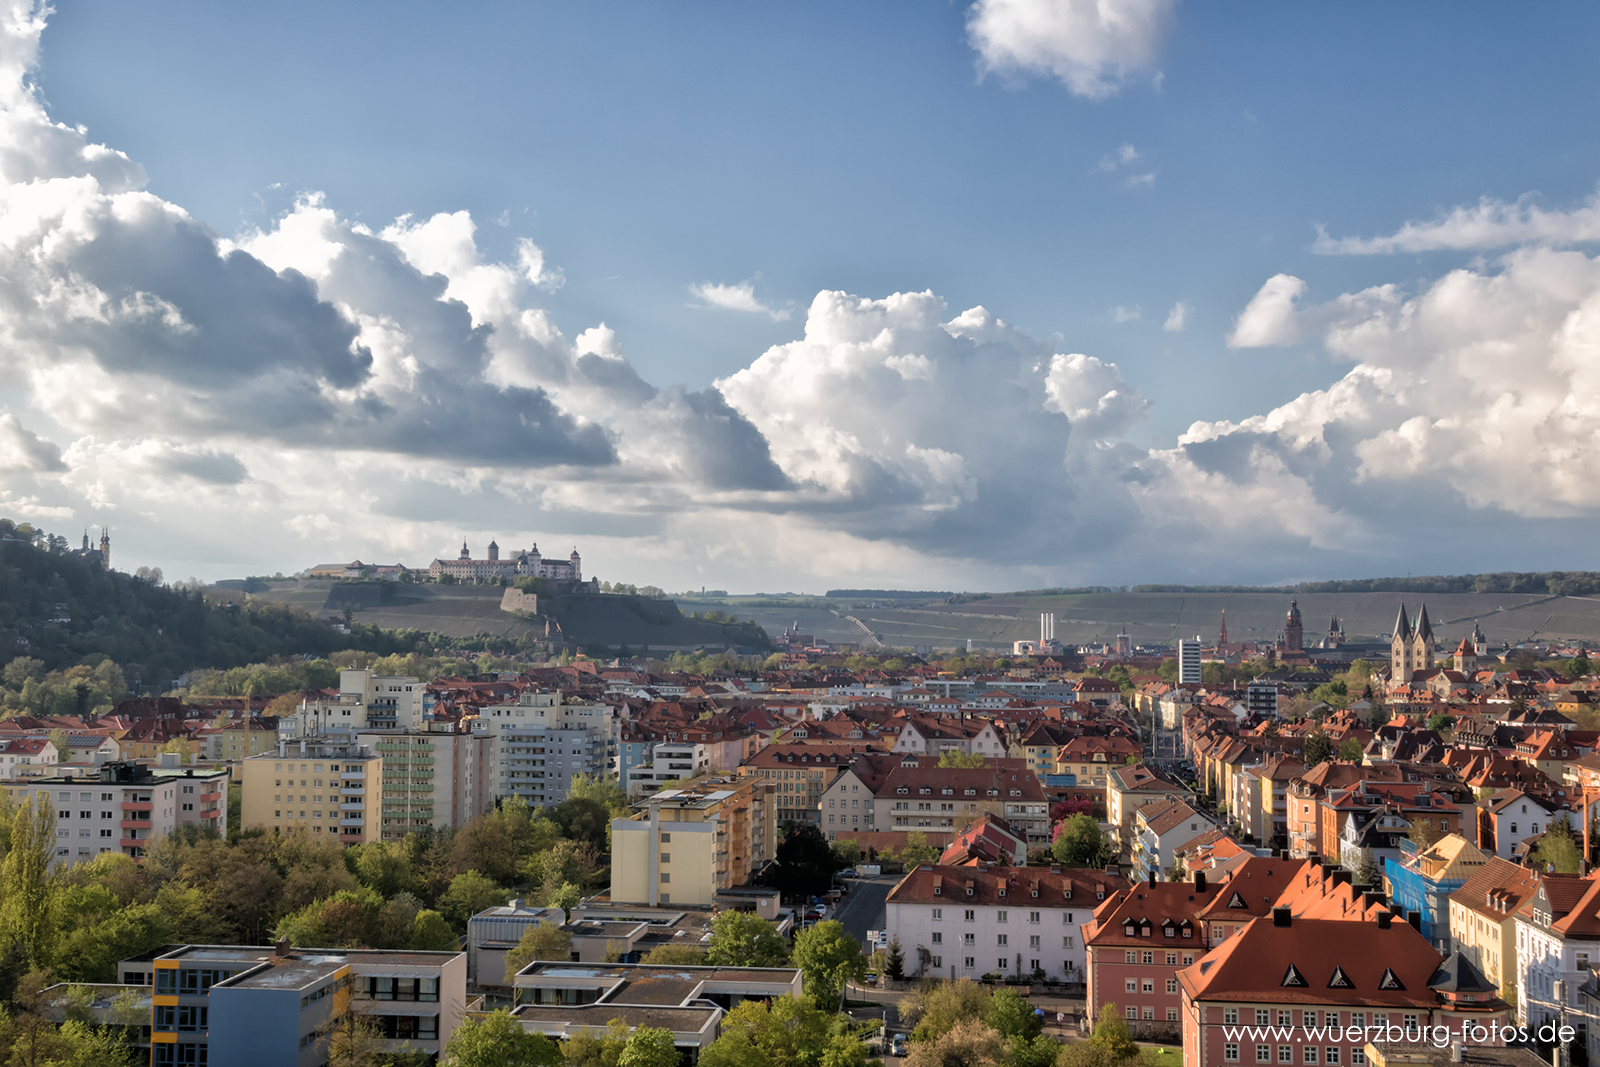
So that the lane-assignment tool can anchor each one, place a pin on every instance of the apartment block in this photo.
(542, 742)
(965, 922)
(253, 1006)
(330, 786)
(123, 807)
(432, 779)
(669, 761)
(682, 846)
(366, 701)
(919, 794)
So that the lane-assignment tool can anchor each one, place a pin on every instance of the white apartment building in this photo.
(1160, 830)
(670, 761)
(366, 701)
(541, 743)
(122, 808)
(432, 778)
(965, 922)
(1558, 938)
(928, 736)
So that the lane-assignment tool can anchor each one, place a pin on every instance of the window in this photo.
(1308, 1055)
(1285, 1053)
(1230, 1052)
(1331, 1055)
(1132, 957)
(1033, 942)
(1149, 958)
(970, 963)
(1263, 1017)
(1132, 985)
(1285, 1018)
(938, 961)
(665, 877)
(1358, 1056)
(1133, 1013)
(1033, 916)
(1188, 958)
(1000, 916)
(938, 914)
(666, 857)
(1172, 1015)
(1000, 939)
(1230, 1017)
(1066, 942)
(1358, 1019)
(1149, 985)
(1263, 1053)
(971, 915)
(1172, 987)
(969, 939)
(1172, 959)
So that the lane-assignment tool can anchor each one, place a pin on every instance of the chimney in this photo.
(1456, 1055)
(1384, 919)
(1415, 919)
(1152, 876)
(282, 948)
(1199, 881)
(1281, 917)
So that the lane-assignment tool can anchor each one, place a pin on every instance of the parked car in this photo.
(835, 893)
(871, 978)
(848, 872)
(897, 1045)
(817, 911)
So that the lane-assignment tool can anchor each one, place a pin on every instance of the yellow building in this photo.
(1482, 926)
(683, 846)
(237, 741)
(331, 788)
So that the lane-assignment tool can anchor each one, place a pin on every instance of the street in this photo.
(862, 908)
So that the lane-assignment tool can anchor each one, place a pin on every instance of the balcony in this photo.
(135, 824)
(138, 805)
(134, 842)
(357, 806)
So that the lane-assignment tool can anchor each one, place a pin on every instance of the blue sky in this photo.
(870, 149)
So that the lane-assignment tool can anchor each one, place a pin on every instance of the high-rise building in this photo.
(1261, 698)
(542, 742)
(331, 786)
(432, 778)
(366, 701)
(1189, 661)
(683, 846)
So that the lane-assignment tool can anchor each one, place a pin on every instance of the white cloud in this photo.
(1120, 158)
(1092, 46)
(1178, 317)
(1125, 314)
(740, 297)
(1487, 224)
(23, 450)
(1140, 181)
(1270, 317)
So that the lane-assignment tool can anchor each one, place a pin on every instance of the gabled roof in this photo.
(1340, 962)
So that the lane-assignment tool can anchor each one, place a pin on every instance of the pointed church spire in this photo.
(1402, 624)
(1424, 630)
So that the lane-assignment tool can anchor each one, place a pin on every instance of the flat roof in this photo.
(287, 973)
(682, 1020)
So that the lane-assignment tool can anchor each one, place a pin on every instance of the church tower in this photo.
(1422, 643)
(464, 553)
(1467, 658)
(494, 552)
(1294, 633)
(105, 547)
(1401, 667)
(1480, 643)
(1223, 638)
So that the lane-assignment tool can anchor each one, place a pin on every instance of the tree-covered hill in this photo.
(59, 608)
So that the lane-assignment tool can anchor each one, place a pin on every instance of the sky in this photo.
(1000, 295)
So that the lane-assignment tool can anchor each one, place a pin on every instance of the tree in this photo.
(1079, 841)
(1111, 1034)
(937, 1007)
(25, 912)
(541, 941)
(971, 1043)
(498, 1040)
(787, 1032)
(846, 853)
(1012, 1015)
(803, 864)
(950, 759)
(744, 939)
(894, 964)
(649, 1046)
(670, 955)
(918, 851)
(828, 957)
(1350, 750)
(1366, 870)
(1423, 833)
(431, 933)
(354, 1040)
(1557, 851)
(565, 897)
(469, 893)
(586, 1049)
(1318, 748)
(1439, 721)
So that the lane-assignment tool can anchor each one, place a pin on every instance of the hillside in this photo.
(595, 620)
(992, 622)
(59, 608)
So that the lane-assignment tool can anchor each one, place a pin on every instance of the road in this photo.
(862, 908)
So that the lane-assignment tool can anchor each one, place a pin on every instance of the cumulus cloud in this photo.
(1092, 46)
(1178, 317)
(740, 297)
(1487, 224)
(23, 450)
(1125, 314)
